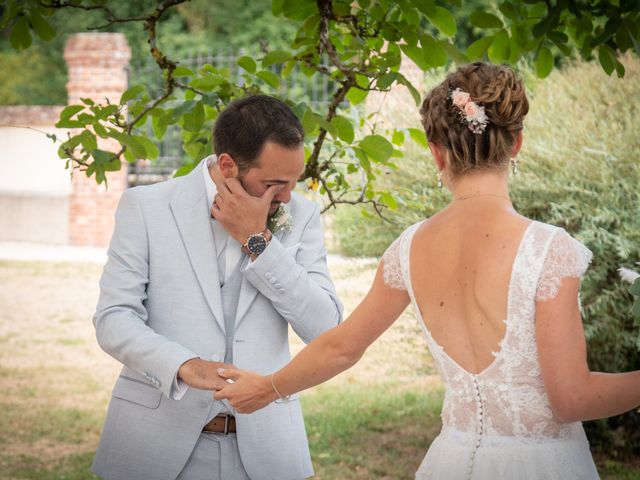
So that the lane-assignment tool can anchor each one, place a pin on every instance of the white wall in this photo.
(29, 162)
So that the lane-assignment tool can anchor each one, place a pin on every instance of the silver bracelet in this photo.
(280, 397)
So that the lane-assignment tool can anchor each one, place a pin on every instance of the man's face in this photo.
(276, 165)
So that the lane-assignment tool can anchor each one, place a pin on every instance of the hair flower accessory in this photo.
(469, 111)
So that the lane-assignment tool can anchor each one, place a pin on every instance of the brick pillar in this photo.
(96, 69)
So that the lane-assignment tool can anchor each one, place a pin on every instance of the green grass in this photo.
(362, 432)
(28, 467)
(374, 422)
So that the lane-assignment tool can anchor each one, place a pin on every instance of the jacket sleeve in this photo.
(121, 317)
(296, 280)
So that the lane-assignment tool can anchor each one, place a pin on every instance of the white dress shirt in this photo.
(225, 244)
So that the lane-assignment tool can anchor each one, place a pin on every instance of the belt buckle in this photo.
(226, 424)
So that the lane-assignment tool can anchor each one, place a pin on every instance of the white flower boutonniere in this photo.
(281, 220)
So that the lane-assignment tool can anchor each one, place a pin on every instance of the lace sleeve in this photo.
(566, 257)
(392, 270)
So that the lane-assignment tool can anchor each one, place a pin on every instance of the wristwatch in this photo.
(257, 242)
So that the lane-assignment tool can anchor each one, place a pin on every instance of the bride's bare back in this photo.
(460, 263)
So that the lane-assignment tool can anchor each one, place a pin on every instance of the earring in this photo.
(514, 165)
(439, 176)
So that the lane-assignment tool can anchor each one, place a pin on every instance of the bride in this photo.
(497, 295)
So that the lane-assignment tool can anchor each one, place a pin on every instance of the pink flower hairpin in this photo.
(469, 111)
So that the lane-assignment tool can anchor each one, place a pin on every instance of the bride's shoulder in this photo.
(559, 239)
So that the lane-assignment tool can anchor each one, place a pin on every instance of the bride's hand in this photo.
(248, 391)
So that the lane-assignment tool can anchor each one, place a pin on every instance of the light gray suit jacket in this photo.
(160, 305)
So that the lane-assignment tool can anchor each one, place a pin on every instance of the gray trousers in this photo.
(215, 457)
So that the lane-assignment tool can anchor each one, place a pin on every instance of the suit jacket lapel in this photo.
(190, 211)
(248, 292)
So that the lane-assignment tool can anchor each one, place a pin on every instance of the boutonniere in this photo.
(281, 220)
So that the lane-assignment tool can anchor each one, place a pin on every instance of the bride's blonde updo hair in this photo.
(496, 88)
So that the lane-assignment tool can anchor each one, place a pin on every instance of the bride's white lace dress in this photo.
(498, 424)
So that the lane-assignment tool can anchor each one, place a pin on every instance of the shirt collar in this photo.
(208, 181)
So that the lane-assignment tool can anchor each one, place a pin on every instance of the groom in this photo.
(209, 268)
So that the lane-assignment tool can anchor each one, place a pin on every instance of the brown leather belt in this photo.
(221, 424)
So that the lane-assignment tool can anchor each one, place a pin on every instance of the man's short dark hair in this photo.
(244, 127)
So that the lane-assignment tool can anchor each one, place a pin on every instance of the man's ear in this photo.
(439, 155)
(227, 166)
(518, 145)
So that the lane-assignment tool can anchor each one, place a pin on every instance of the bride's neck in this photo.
(485, 183)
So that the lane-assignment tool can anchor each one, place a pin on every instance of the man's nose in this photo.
(283, 196)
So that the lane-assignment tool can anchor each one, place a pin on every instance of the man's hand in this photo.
(198, 373)
(240, 213)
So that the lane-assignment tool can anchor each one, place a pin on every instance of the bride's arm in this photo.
(576, 393)
(329, 354)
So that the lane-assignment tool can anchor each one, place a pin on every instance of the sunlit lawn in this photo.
(374, 422)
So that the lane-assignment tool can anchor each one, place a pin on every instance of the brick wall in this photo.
(97, 65)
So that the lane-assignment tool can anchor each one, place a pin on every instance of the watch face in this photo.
(256, 244)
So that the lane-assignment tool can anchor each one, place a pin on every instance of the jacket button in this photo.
(268, 275)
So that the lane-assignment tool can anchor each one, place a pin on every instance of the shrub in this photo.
(579, 170)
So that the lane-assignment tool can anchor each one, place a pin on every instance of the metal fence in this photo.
(297, 87)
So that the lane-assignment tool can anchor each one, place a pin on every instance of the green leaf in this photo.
(70, 111)
(477, 49)
(433, 51)
(114, 165)
(274, 57)
(389, 200)
(356, 96)
(385, 81)
(309, 121)
(397, 137)
(607, 58)
(416, 54)
(544, 62)
(100, 130)
(131, 93)
(276, 8)
(482, 19)
(20, 37)
(500, 47)
(444, 21)
(269, 77)
(635, 288)
(343, 128)
(101, 156)
(193, 120)
(134, 145)
(150, 148)
(207, 82)
(377, 147)
(43, 28)
(419, 137)
(181, 71)
(159, 128)
(509, 10)
(184, 170)
(247, 63)
(88, 140)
